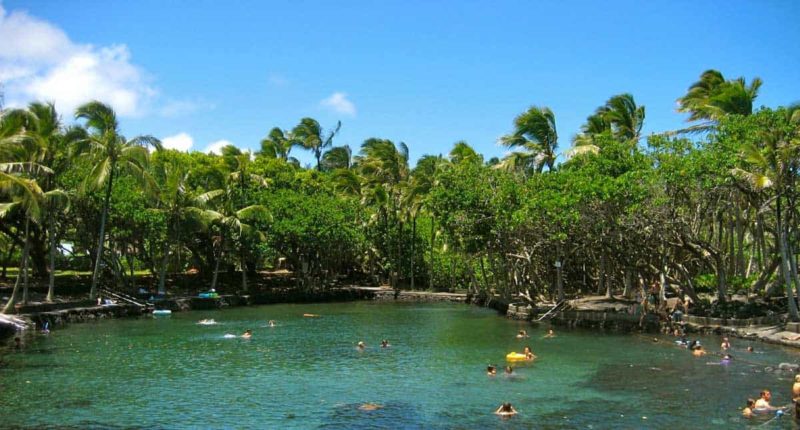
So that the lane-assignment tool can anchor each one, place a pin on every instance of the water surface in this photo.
(307, 373)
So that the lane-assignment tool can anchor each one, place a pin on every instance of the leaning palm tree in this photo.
(26, 196)
(536, 138)
(110, 155)
(713, 97)
(310, 136)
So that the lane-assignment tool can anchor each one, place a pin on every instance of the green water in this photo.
(307, 373)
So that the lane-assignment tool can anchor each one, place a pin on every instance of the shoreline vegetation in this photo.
(702, 220)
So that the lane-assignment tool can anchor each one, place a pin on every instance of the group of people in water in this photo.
(506, 409)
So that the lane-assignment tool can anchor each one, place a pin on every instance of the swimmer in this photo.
(271, 323)
(528, 353)
(506, 410)
(726, 344)
(385, 343)
(509, 371)
(247, 334)
(369, 407)
(749, 349)
(207, 321)
(747, 412)
(699, 351)
(550, 333)
(726, 359)
(491, 370)
(763, 402)
(522, 334)
(361, 345)
(796, 388)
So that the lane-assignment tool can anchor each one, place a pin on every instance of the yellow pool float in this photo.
(516, 356)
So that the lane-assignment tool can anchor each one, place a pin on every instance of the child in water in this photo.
(491, 370)
(747, 412)
(247, 334)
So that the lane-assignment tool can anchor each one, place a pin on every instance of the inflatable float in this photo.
(516, 356)
(161, 312)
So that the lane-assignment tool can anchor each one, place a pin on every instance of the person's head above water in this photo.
(509, 370)
(766, 394)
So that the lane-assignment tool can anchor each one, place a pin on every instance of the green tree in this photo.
(310, 136)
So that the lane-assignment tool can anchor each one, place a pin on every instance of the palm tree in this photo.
(713, 97)
(310, 136)
(462, 152)
(774, 166)
(624, 116)
(46, 143)
(110, 155)
(384, 167)
(423, 179)
(338, 157)
(535, 134)
(26, 196)
(179, 204)
(278, 144)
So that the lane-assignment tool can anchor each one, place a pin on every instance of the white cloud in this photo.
(339, 103)
(216, 147)
(181, 142)
(38, 61)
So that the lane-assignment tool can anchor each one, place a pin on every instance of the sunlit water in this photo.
(307, 373)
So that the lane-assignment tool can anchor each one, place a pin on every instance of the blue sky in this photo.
(427, 73)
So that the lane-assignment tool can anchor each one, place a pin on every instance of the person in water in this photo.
(796, 389)
(506, 409)
(698, 351)
(509, 371)
(726, 344)
(747, 412)
(749, 349)
(271, 323)
(763, 401)
(522, 334)
(247, 334)
(385, 343)
(361, 345)
(550, 333)
(491, 370)
(528, 353)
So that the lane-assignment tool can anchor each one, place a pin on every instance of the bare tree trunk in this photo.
(163, 272)
(27, 263)
(413, 243)
(102, 239)
(51, 281)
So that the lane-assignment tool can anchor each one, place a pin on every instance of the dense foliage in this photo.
(712, 208)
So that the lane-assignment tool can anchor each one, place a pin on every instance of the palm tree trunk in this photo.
(413, 242)
(785, 264)
(216, 272)
(51, 282)
(244, 270)
(163, 272)
(433, 237)
(101, 240)
(14, 293)
(26, 263)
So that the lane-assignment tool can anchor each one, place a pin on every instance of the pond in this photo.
(307, 373)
